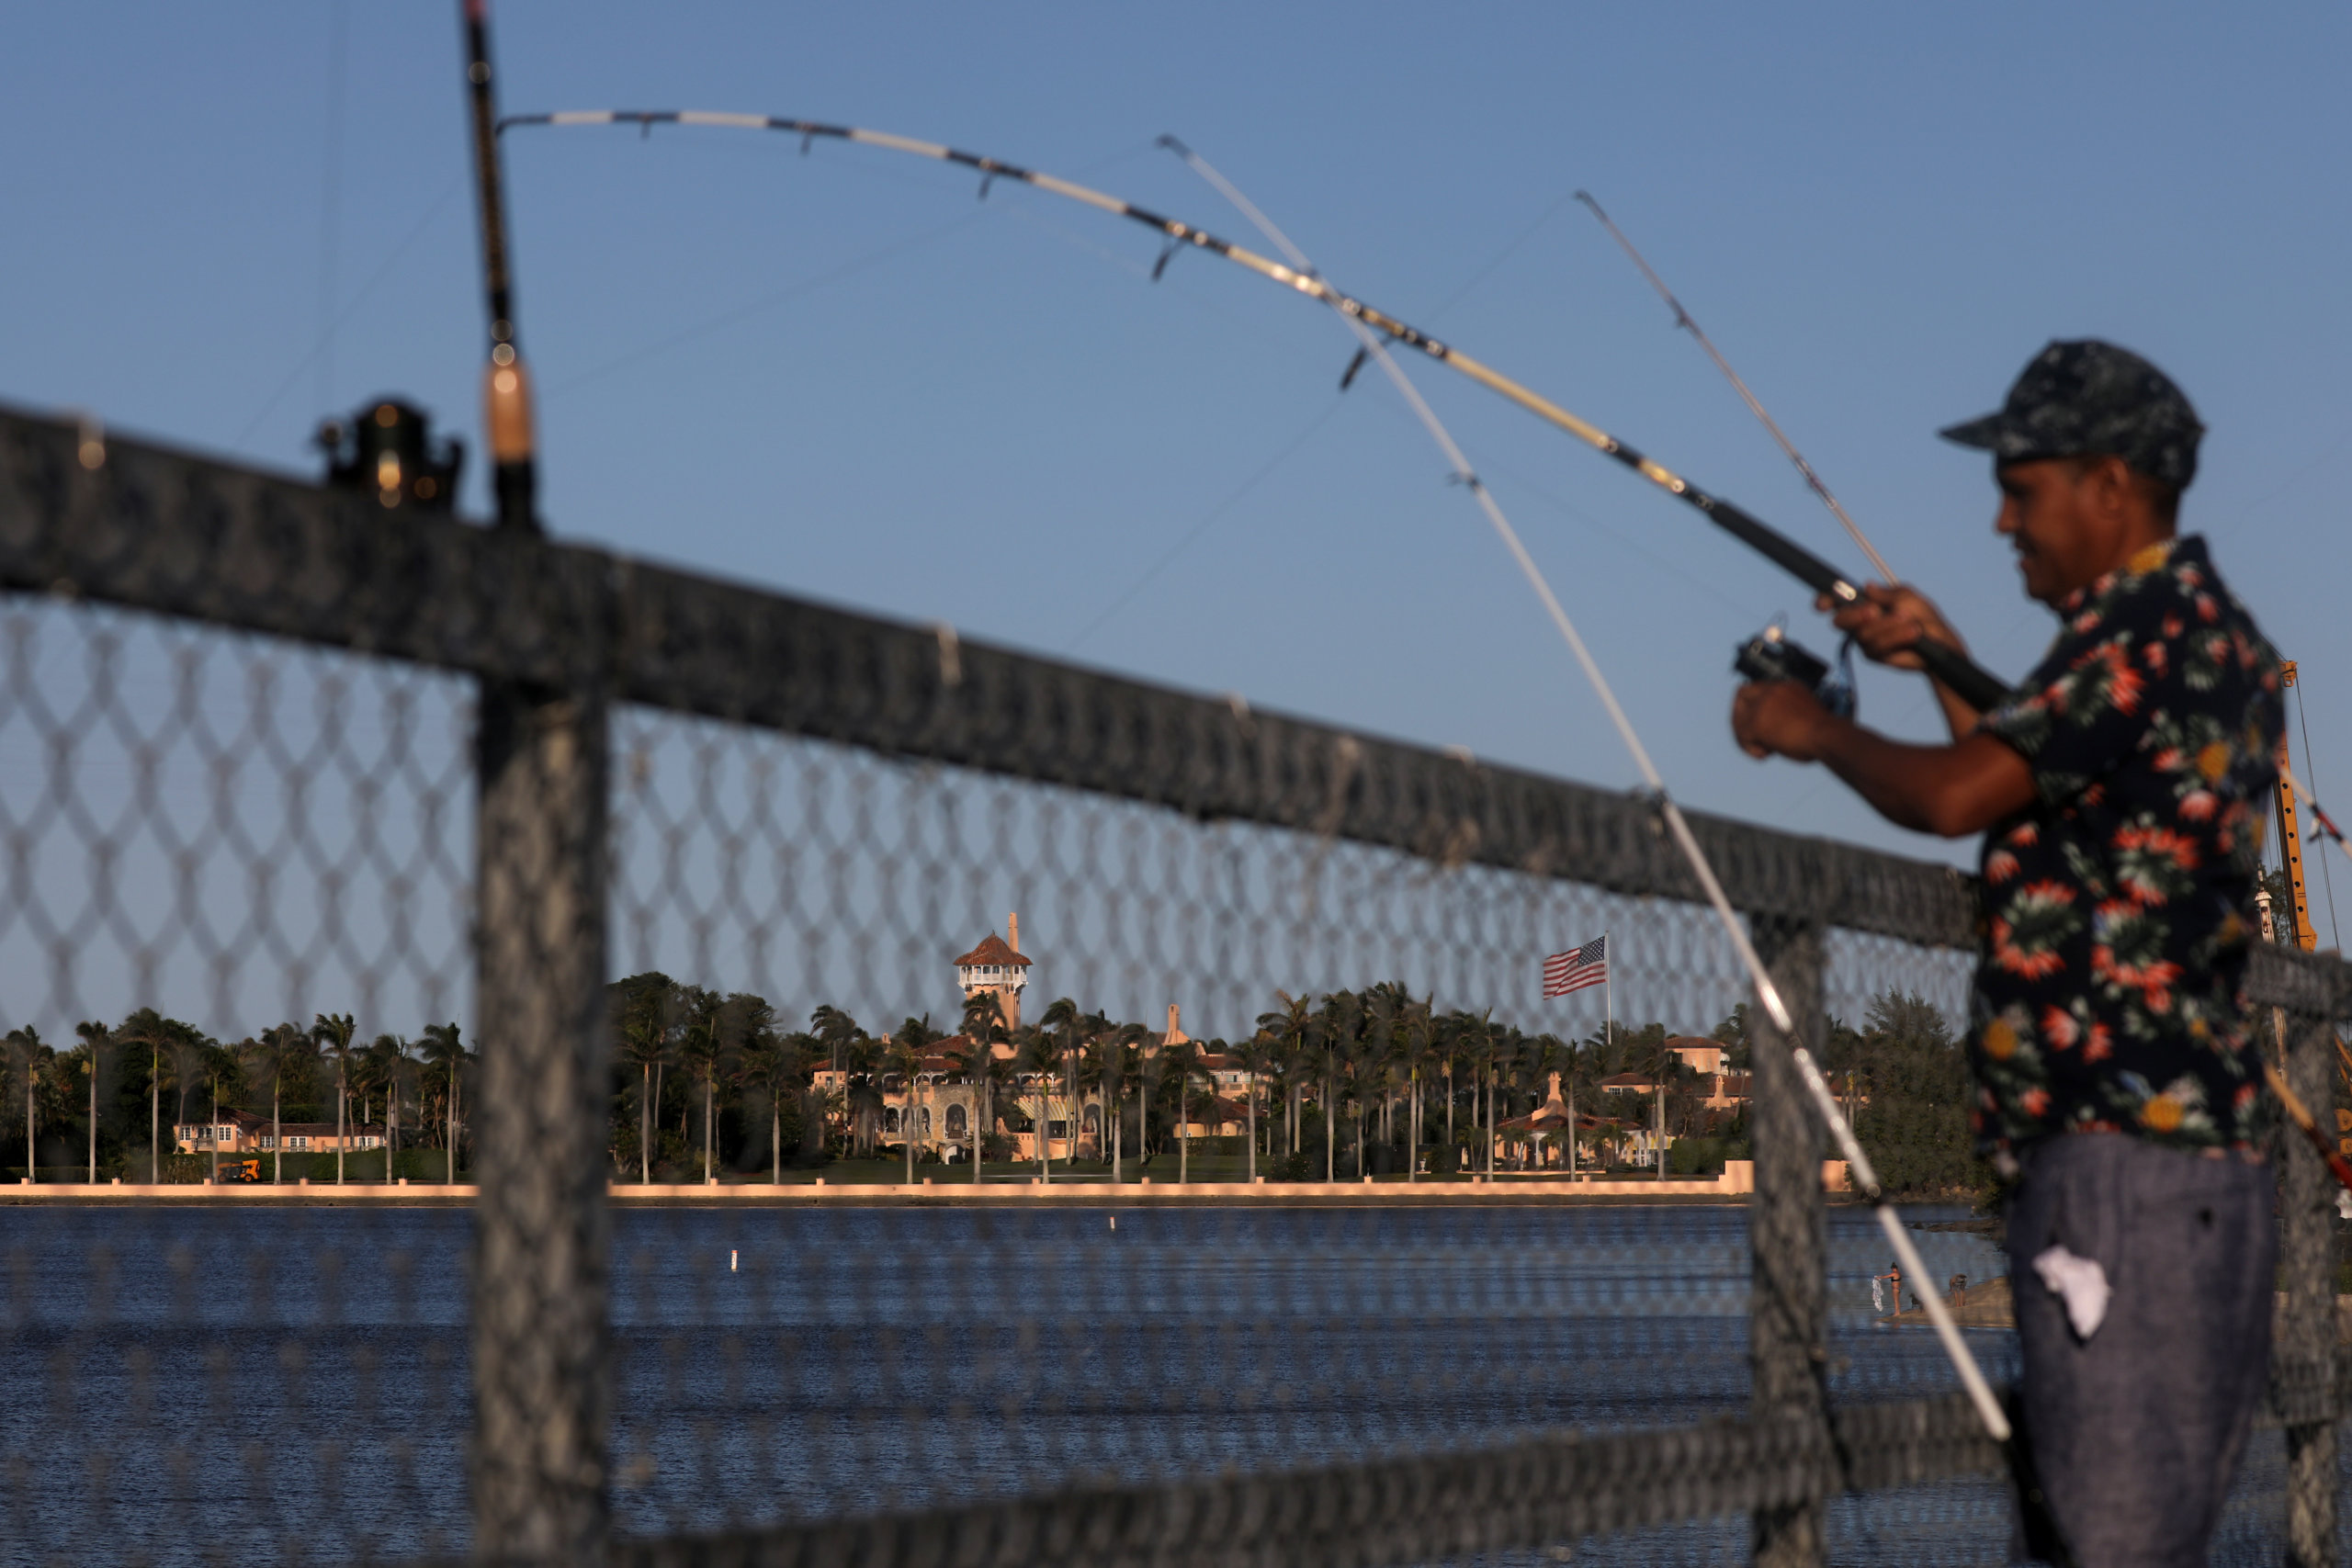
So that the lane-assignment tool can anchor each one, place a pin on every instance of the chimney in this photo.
(1175, 1013)
(1013, 932)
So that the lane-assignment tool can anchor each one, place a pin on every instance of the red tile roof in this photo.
(992, 950)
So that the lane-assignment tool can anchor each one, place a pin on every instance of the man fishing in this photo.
(2117, 1075)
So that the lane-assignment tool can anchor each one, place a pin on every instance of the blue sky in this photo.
(844, 375)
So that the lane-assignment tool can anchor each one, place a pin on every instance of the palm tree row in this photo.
(147, 1054)
(1380, 1068)
(1369, 1070)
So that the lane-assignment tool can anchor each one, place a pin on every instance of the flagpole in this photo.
(1608, 1005)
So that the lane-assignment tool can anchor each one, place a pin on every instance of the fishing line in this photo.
(1975, 685)
(2327, 880)
(2298, 477)
(792, 291)
(1972, 1378)
(415, 233)
(2326, 825)
(1682, 319)
(1191, 537)
(786, 294)
(330, 194)
(1510, 249)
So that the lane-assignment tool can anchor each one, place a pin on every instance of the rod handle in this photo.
(1971, 682)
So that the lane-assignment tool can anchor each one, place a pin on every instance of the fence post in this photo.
(1788, 1233)
(539, 1281)
(2304, 1360)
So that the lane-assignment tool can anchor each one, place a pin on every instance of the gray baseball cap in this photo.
(2091, 397)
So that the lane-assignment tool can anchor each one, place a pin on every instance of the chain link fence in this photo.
(1308, 1233)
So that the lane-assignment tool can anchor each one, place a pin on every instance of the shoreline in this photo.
(1005, 1194)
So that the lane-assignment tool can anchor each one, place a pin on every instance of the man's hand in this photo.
(1780, 718)
(1888, 622)
(1962, 788)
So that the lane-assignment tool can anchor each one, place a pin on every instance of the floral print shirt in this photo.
(2118, 909)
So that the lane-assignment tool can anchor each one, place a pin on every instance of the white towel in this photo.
(2081, 1284)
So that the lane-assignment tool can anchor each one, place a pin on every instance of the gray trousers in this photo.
(2135, 1432)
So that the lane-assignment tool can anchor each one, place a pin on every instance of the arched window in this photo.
(890, 1119)
(958, 1123)
(1092, 1121)
(923, 1122)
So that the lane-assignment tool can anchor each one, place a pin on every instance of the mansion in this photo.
(935, 1106)
(243, 1132)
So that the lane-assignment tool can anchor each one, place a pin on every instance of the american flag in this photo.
(1573, 971)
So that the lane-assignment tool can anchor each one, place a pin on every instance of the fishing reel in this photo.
(1772, 655)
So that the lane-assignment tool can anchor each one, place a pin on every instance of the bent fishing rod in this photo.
(1971, 682)
(2297, 1112)
(1972, 1376)
(1682, 319)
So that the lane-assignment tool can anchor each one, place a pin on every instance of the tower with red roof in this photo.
(997, 965)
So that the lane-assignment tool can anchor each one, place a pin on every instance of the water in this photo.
(192, 1385)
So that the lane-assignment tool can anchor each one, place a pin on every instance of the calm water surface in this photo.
(189, 1386)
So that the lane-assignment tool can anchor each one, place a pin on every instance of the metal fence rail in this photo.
(268, 749)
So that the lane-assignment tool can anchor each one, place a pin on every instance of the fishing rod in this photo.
(2325, 824)
(2296, 1111)
(1972, 1376)
(2301, 1116)
(1754, 405)
(1974, 684)
(506, 391)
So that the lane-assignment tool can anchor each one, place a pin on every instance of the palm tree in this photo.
(333, 1031)
(902, 1059)
(29, 1059)
(863, 1100)
(1574, 1058)
(1665, 1067)
(1257, 1055)
(837, 1029)
(772, 1063)
(1061, 1029)
(149, 1028)
(1185, 1059)
(388, 1057)
(272, 1056)
(1043, 1052)
(644, 1011)
(1414, 1032)
(1150, 1063)
(702, 1042)
(743, 1017)
(445, 1048)
(983, 1029)
(908, 1047)
(1129, 1045)
(809, 1051)
(1474, 1035)
(1288, 1028)
(90, 1060)
(1102, 1067)
(1337, 1024)
(223, 1064)
(189, 1046)
(1446, 1042)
